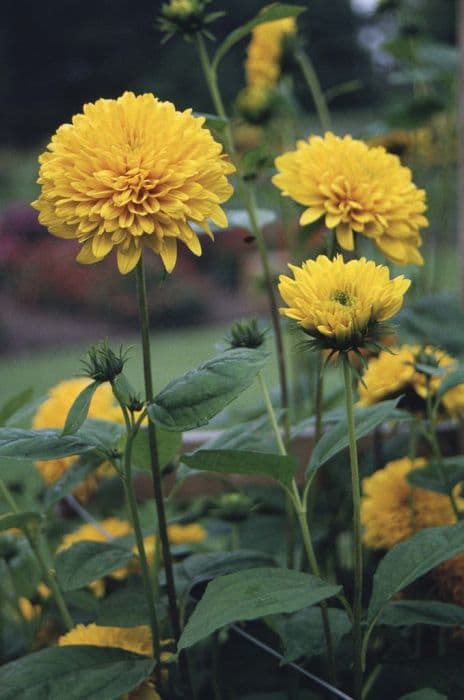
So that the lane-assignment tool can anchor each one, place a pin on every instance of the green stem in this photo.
(155, 466)
(47, 572)
(134, 515)
(312, 81)
(290, 514)
(247, 196)
(358, 562)
(433, 440)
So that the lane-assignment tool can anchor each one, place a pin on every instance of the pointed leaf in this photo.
(85, 562)
(281, 468)
(168, 443)
(410, 560)
(73, 672)
(14, 404)
(194, 398)
(268, 14)
(429, 476)
(79, 410)
(21, 520)
(247, 595)
(406, 613)
(16, 443)
(200, 567)
(337, 438)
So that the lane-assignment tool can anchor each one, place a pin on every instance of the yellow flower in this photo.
(392, 510)
(133, 171)
(389, 375)
(356, 189)
(29, 611)
(134, 639)
(52, 414)
(106, 529)
(186, 534)
(340, 303)
(262, 65)
(254, 103)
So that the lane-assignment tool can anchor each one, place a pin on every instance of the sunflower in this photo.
(52, 414)
(132, 172)
(263, 61)
(356, 189)
(393, 373)
(392, 509)
(341, 305)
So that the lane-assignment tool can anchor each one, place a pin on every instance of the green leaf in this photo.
(73, 672)
(410, 560)
(268, 14)
(194, 398)
(168, 442)
(424, 694)
(27, 518)
(118, 609)
(406, 613)
(429, 477)
(102, 434)
(449, 382)
(247, 595)
(337, 438)
(72, 477)
(79, 410)
(85, 562)
(253, 435)
(16, 443)
(302, 633)
(200, 567)
(14, 404)
(279, 467)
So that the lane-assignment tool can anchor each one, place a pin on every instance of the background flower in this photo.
(264, 53)
(132, 171)
(356, 189)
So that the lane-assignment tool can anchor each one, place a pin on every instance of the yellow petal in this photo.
(345, 236)
(168, 253)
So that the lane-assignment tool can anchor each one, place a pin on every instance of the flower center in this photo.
(343, 298)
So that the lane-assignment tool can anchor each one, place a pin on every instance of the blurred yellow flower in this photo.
(186, 534)
(262, 65)
(393, 373)
(29, 611)
(52, 414)
(356, 189)
(132, 172)
(392, 510)
(338, 302)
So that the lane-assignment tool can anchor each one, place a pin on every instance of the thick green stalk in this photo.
(247, 195)
(48, 574)
(358, 562)
(155, 467)
(300, 509)
(134, 516)
(312, 81)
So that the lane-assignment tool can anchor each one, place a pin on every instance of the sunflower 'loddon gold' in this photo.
(131, 172)
(262, 65)
(393, 373)
(338, 303)
(392, 510)
(356, 189)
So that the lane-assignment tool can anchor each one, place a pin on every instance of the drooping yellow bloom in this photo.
(262, 65)
(339, 302)
(132, 172)
(356, 189)
(392, 509)
(52, 414)
(393, 373)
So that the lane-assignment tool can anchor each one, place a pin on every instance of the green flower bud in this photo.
(245, 334)
(102, 364)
